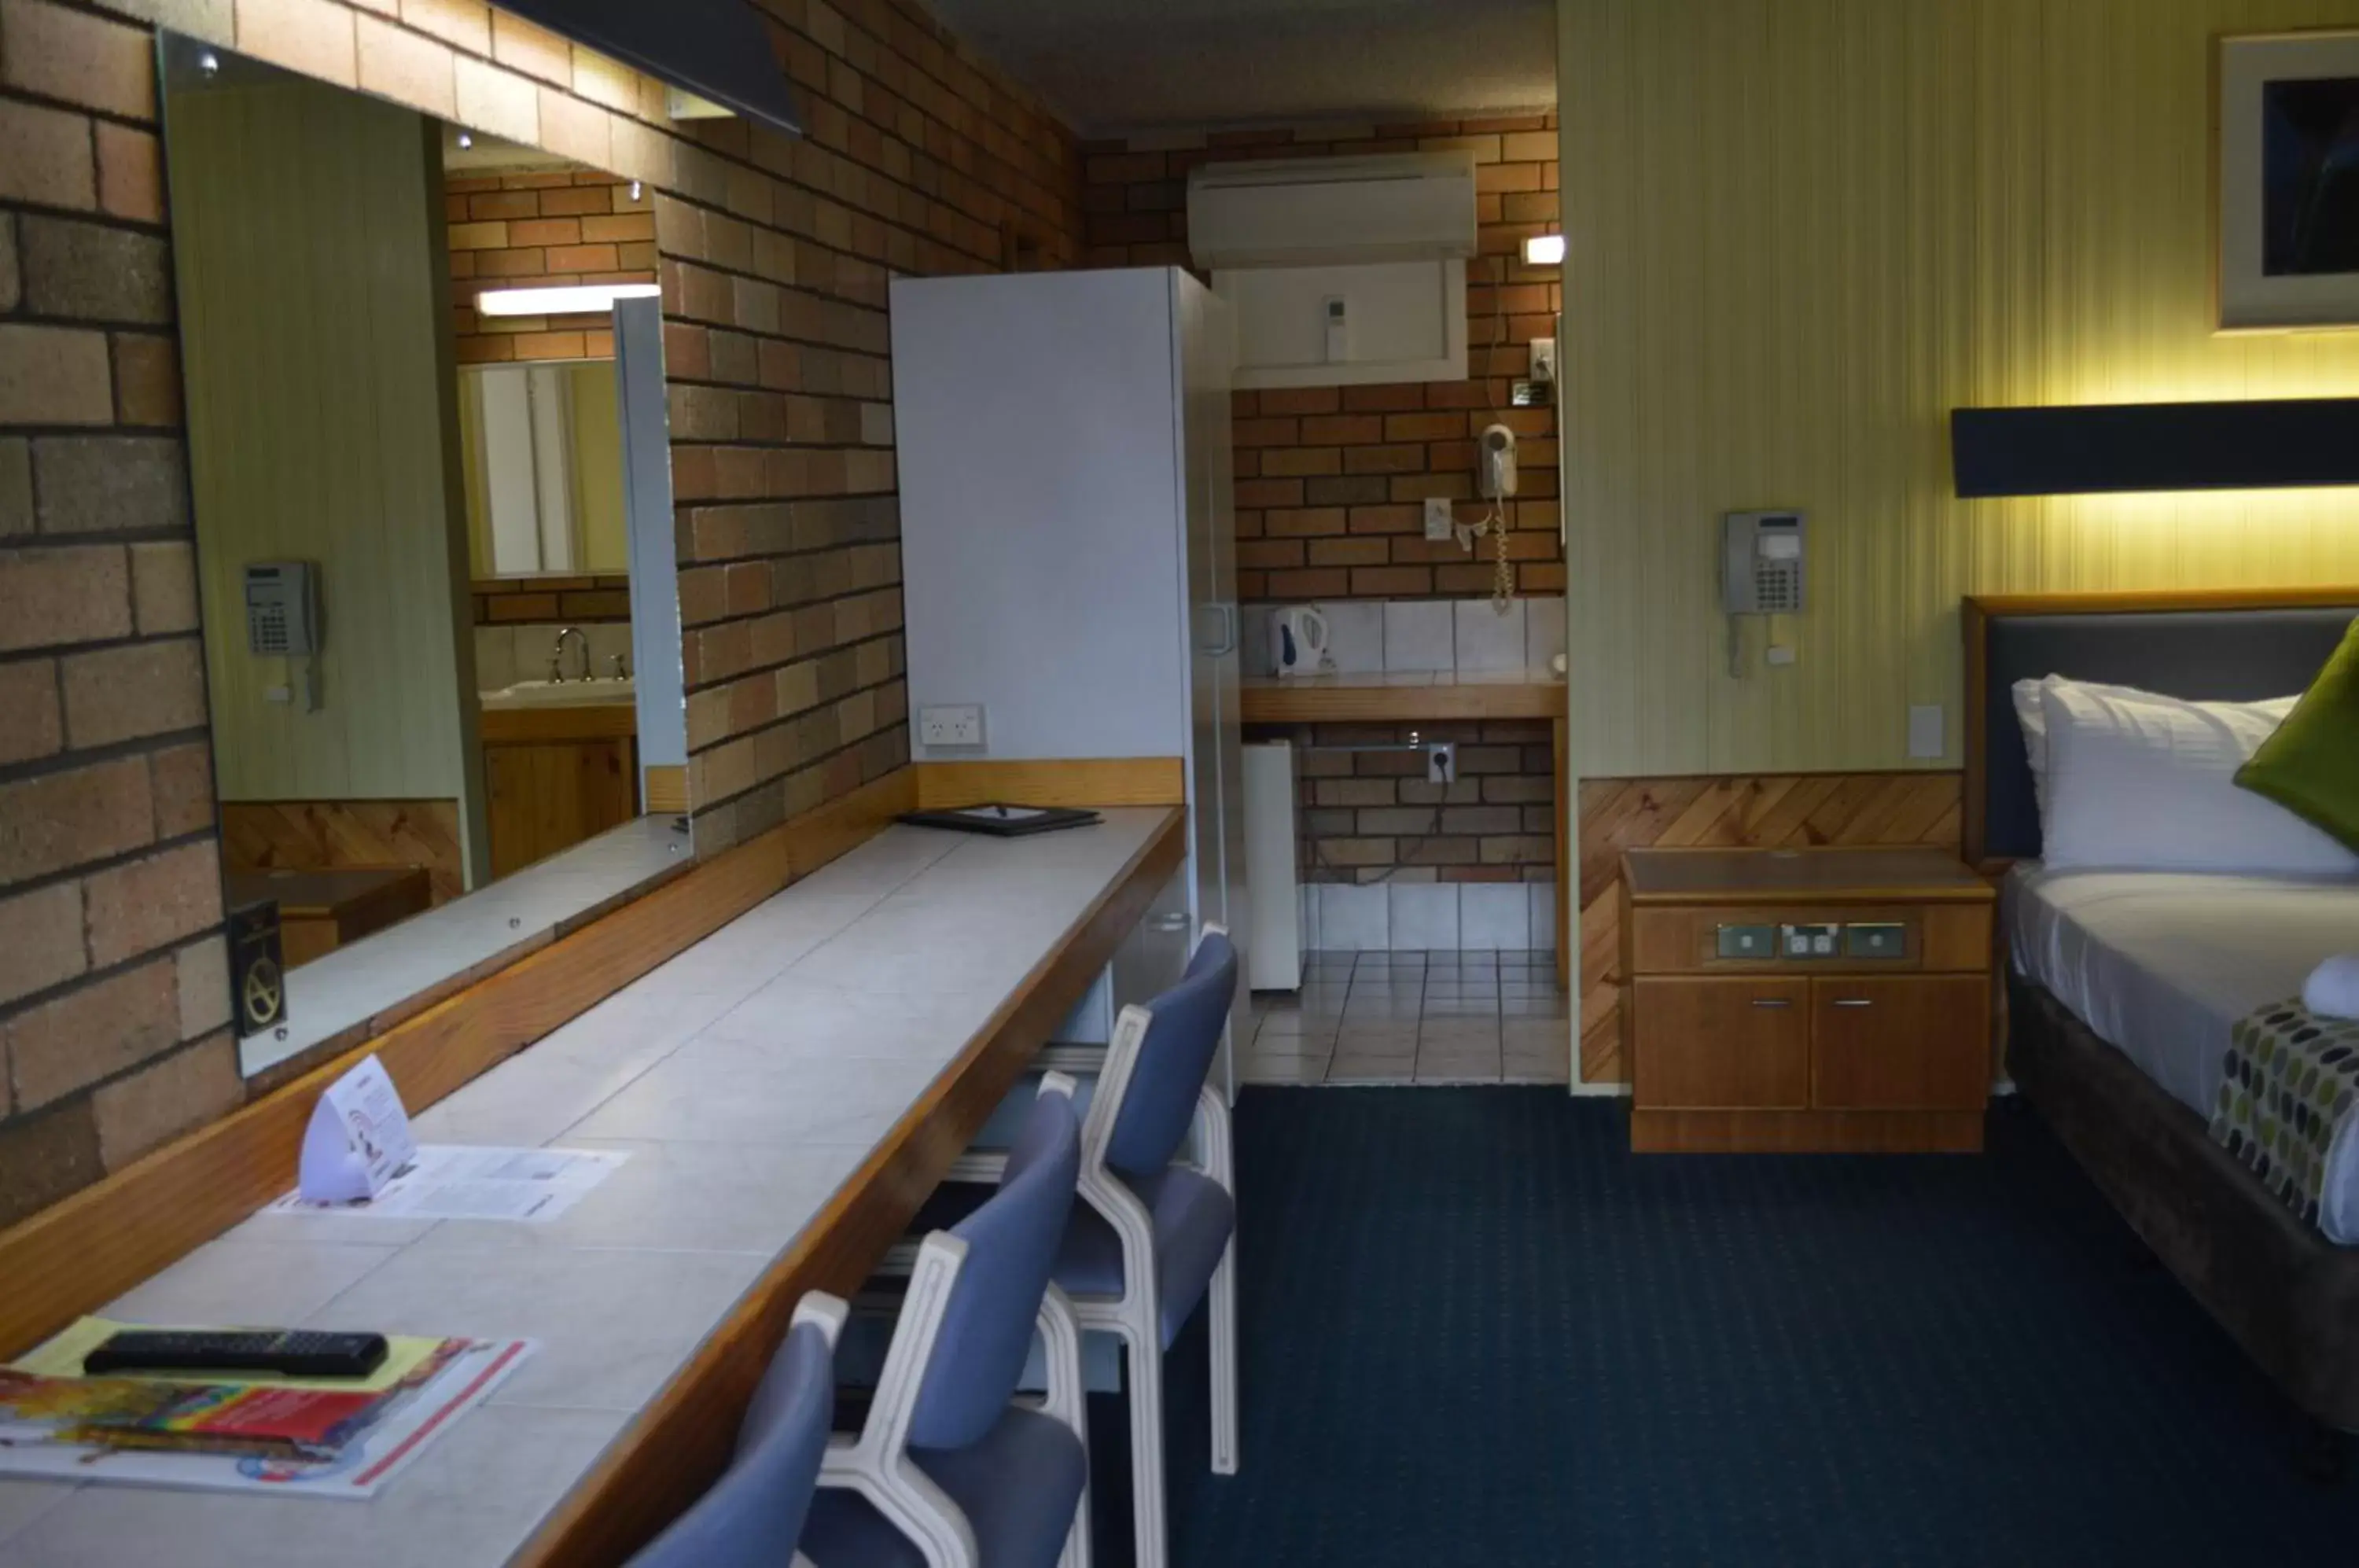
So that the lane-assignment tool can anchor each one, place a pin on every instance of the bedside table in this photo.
(1804, 1000)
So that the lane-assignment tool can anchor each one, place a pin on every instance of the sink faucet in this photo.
(557, 654)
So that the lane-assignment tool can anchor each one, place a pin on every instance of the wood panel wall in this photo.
(1767, 812)
(1801, 234)
(332, 835)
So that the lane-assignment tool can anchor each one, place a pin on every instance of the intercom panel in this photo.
(1762, 571)
(282, 609)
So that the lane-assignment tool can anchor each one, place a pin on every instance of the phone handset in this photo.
(1763, 572)
(1494, 477)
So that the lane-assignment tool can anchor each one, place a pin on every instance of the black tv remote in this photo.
(290, 1353)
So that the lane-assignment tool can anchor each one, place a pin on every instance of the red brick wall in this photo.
(773, 252)
(540, 229)
(1332, 481)
(503, 601)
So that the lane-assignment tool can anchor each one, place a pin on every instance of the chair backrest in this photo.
(1174, 1060)
(754, 1514)
(1012, 1241)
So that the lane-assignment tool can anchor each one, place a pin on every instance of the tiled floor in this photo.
(1414, 1018)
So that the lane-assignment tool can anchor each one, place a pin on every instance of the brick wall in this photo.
(1371, 816)
(504, 601)
(540, 229)
(1332, 481)
(113, 985)
(773, 254)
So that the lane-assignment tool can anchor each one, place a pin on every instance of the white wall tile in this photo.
(1356, 634)
(1543, 632)
(495, 657)
(1424, 916)
(1543, 898)
(1306, 898)
(1418, 634)
(1487, 639)
(608, 639)
(1495, 917)
(1354, 919)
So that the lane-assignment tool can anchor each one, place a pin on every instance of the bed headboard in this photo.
(2233, 646)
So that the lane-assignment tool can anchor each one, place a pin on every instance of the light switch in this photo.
(1437, 518)
(1928, 732)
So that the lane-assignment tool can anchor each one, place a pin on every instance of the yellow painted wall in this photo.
(1801, 231)
(306, 226)
(595, 415)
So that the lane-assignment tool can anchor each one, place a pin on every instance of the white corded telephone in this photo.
(282, 620)
(1762, 573)
(1494, 477)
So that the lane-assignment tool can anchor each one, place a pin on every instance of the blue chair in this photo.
(1156, 1233)
(754, 1515)
(949, 1471)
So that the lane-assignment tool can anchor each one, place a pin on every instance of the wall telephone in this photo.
(1761, 573)
(282, 621)
(1494, 477)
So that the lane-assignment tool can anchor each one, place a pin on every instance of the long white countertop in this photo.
(748, 1078)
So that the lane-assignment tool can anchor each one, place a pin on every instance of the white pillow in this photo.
(2143, 782)
(2028, 713)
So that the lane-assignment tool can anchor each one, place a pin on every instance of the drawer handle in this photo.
(1772, 1002)
(1178, 922)
(1853, 1002)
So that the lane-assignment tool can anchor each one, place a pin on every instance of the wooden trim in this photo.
(1568, 907)
(1318, 700)
(664, 788)
(1978, 610)
(587, 721)
(682, 1441)
(1055, 782)
(82, 1252)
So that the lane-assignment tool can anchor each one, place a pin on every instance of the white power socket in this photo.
(1442, 762)
(1928, 732)
(1438, 519)
(951, 726)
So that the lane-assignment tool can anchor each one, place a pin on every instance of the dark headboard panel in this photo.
(2204, 648)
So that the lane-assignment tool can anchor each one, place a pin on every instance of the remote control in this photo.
(290, 1353)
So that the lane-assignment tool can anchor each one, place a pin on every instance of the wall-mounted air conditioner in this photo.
(1340, 270)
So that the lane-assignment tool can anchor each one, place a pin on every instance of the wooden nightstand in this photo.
(1826, 1000)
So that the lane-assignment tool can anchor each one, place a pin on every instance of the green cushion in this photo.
(2311, 765)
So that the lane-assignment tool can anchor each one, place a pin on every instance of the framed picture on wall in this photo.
(2289, 182)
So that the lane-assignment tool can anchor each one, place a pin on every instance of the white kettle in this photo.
(1298, 641)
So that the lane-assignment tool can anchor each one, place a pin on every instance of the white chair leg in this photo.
(1147, 1492)
(1224, 1358)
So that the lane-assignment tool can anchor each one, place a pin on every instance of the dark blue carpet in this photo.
(1477, 1330)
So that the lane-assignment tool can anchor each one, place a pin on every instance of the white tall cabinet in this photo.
(1068, 540)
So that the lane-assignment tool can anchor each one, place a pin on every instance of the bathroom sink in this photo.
(562, 693)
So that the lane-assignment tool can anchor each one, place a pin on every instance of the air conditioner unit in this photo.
(1340, 270)
(1329, 211)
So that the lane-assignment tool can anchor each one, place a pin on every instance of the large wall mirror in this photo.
(434, 540)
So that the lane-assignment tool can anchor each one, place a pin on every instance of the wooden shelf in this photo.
(1345, 699)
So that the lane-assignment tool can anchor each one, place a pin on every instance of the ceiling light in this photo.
(210, 63)
(1544, 250)
(574, 300)
(466, 139)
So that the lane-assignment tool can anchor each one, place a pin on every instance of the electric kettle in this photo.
(1298, 641)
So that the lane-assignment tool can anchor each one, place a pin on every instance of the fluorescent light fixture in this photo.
(1544, 250)
(579, 299)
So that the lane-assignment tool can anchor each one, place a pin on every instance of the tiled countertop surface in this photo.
(747, 1078)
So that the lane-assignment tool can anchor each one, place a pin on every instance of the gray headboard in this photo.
(2214, 653)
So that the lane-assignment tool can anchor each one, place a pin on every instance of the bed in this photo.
(2121, 985)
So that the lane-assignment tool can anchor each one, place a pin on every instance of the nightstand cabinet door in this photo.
(1921, 1043)
(1712, 1044)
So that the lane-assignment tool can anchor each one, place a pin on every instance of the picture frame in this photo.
(2287, 178)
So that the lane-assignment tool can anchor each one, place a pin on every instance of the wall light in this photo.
(580, 299)
(2263, 444)
(1544, 250)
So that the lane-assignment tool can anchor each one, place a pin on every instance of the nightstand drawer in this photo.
(1721, 1044)
(1911, 1044)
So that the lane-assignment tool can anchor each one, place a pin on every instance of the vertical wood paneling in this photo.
(1801, 231)
(306, 236)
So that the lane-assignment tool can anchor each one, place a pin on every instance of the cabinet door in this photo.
(1710, 1044)
(1917, 1044)
(549, 797)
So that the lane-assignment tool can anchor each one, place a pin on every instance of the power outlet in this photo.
(959, 726)
(1442, 762)
(1439, 520)
(1543, 352)
(1928, 732)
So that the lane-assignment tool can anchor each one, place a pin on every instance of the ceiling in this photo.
(1114, 66)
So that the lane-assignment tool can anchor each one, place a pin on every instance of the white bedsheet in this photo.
(2161, 964)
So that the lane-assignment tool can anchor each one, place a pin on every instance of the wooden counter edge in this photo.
(1312, 705)
(681, 1443)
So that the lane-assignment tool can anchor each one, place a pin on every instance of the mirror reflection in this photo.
(428, 569)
